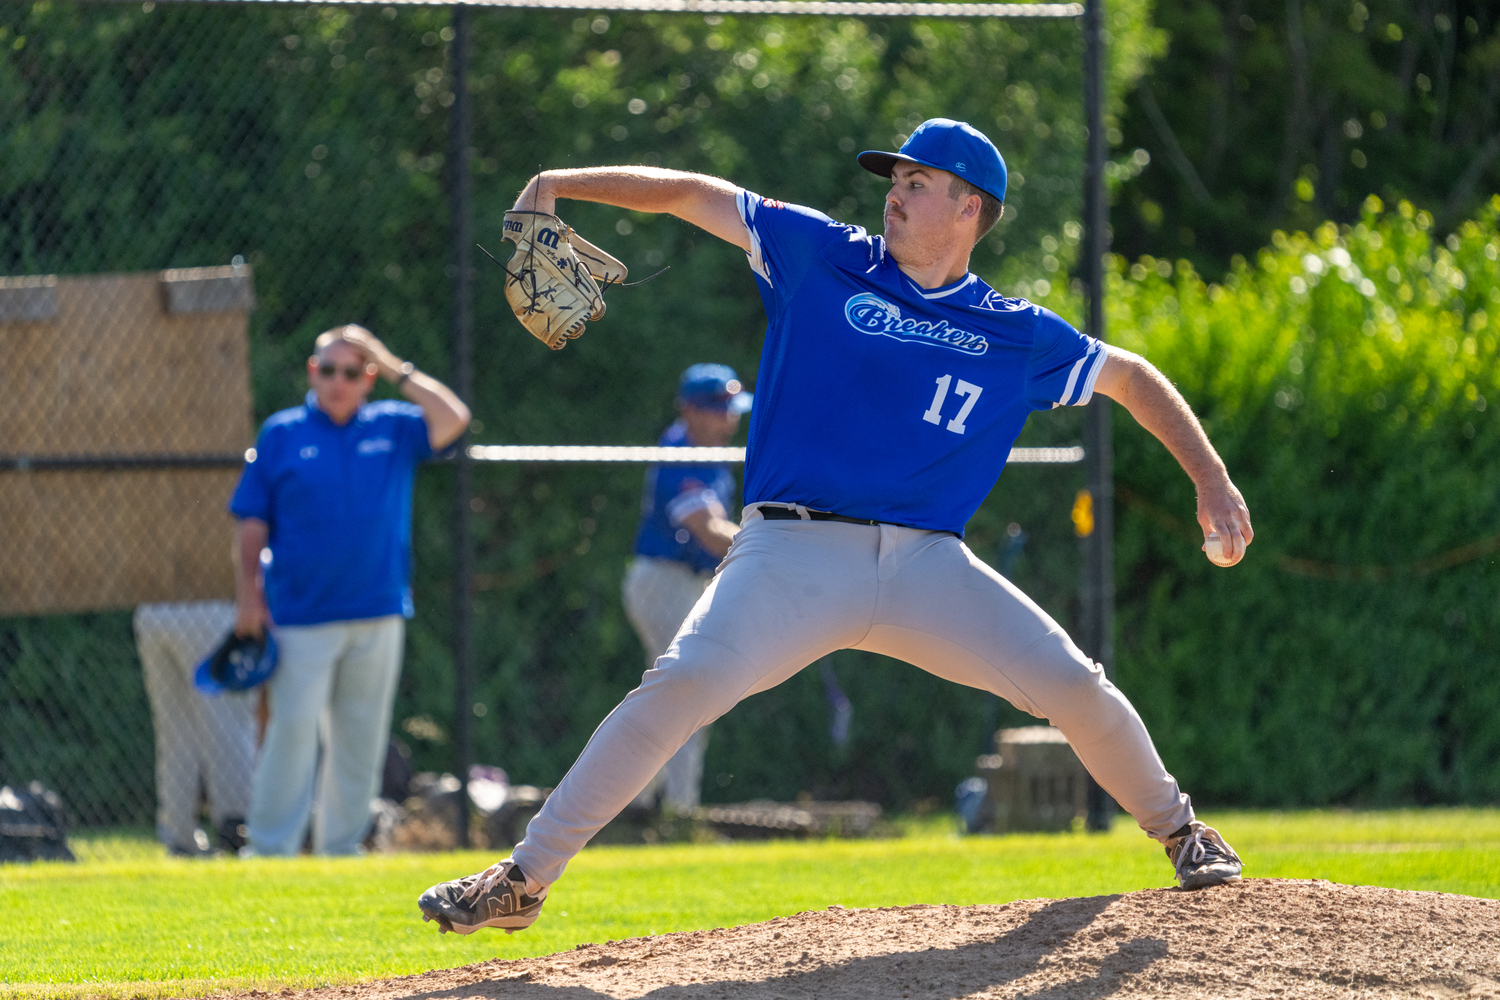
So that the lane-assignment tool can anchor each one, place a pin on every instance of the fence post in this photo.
(462, 608)
(1099, 563)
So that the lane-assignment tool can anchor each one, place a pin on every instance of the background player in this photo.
(685, 530)
(892, 384)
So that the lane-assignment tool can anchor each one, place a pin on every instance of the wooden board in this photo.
(128, 365)
(115, 373)
(90, 541)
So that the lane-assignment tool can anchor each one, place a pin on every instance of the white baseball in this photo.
(1213, 547)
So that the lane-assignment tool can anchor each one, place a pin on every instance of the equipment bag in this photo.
(32, 825)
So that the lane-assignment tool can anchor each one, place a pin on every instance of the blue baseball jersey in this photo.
(673, 492)
(877, 398)
(338, 502)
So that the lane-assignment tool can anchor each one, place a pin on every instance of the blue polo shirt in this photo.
(338, 501)
(673, 492)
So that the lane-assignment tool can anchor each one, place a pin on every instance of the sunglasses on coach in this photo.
(352, 373)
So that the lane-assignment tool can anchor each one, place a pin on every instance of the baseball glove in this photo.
(552, 281)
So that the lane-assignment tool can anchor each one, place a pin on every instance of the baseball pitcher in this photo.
(892, 384)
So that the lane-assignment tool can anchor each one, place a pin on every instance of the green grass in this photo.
(153, 926)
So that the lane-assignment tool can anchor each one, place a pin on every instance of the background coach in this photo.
(328, 491)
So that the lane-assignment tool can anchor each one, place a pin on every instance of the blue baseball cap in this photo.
(956, 147)
(239, 663)
(713, 387)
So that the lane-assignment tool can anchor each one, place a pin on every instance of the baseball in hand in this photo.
(1213, 547)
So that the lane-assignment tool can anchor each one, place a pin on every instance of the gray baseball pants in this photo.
(790, 592)
(659, 594)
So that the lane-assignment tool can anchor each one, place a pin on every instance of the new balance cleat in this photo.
(1201, 857)
(497, 897)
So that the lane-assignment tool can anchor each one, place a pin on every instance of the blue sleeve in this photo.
(669, 482)
(252, 495)
(1063, 365)
(407, 426)
(683, 489)
(783, 238)
(418, 442)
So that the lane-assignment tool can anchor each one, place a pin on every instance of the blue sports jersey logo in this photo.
(871, 314)
(995, 302)
(374, 446)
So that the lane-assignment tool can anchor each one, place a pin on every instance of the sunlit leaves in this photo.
(1347, 378)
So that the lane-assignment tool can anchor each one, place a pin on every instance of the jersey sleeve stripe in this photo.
(1067, 393)
(1084, 374)
(747, 205)
(1095, 365)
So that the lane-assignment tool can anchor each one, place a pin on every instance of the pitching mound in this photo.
(1259, 938)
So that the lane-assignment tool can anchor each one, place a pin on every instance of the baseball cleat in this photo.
(1201, 857)
(496, 897)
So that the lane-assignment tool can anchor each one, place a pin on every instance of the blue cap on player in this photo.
(713, 387)
(953, 146)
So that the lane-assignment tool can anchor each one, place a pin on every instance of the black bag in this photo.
(32, 825)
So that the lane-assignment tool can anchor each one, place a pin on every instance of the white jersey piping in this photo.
(939, 294)
(1088, 368)
(757, 259)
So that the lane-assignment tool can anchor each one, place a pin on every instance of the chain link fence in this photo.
(189, 193)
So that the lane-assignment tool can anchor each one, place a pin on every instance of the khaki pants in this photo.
(204, 743)
(790, 592)
(333, 691)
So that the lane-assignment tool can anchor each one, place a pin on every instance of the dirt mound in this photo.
(1257, 938)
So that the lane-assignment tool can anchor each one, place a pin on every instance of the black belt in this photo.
(788, 514)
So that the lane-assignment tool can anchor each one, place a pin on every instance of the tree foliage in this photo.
(1278, 114)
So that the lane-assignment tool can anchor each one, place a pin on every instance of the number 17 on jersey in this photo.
(968, 391)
